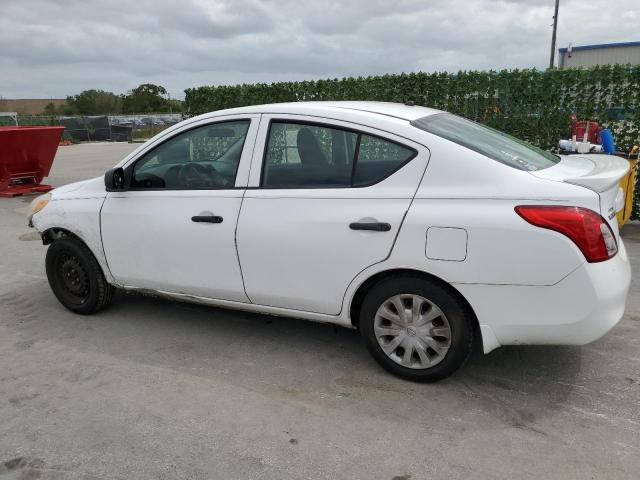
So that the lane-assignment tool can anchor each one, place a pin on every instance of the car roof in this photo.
(389, 109)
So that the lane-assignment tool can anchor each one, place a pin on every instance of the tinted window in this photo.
(306, 155)
(206, 157)
(487, 141)
(378, 158)
(301, 155)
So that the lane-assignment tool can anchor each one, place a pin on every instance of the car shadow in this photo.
(291, 359)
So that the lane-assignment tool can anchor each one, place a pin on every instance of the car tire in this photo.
(416, 328)
(76, 278)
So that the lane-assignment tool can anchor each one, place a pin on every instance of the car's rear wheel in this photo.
(76, 278)
(416, 328)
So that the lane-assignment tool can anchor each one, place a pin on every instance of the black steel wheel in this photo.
(75, 276)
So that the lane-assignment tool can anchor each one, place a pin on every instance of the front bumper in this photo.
(579, 309)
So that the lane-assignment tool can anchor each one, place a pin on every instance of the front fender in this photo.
(80, 217)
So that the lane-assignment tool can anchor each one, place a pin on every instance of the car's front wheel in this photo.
(416, 328)
(75, 276)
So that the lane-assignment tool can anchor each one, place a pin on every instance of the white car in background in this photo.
(423, 230)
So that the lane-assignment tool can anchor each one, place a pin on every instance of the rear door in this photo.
(326, 200)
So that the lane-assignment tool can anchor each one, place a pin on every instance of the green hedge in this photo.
(533, 105)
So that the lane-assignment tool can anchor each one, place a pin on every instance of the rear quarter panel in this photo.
(462, 189)
(465, 190)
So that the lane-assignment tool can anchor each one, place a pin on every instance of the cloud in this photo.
(51, 49)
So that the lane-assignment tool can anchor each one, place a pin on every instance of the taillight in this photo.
(586, 228)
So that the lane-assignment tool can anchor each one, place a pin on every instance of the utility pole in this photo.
(553, 35)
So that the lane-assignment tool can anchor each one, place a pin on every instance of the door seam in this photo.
(244, 193)
(393, 245)
(104, 251)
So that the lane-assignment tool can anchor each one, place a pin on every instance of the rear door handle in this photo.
(373, 226)
(207, 219)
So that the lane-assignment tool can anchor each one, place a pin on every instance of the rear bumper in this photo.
(579, 309)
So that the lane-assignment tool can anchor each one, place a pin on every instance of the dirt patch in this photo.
(22, 463)
(30, 236)
(356, 382)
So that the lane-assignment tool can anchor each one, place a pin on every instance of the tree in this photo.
(49, 109)
(65, 109)
(94, 102)
(176, 106)
(146, 98)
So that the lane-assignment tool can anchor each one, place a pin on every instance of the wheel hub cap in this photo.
(412, 331)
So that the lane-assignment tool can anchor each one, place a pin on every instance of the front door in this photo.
(328, 204)
(173, 230)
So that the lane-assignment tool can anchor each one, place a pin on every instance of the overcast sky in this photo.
(54, 49)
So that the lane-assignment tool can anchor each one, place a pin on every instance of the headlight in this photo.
(38, 204)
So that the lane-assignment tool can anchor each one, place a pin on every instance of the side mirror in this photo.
(114, 180)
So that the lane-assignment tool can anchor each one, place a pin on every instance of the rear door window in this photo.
(379, 158)
(300, 155)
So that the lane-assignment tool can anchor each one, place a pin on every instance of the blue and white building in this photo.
(601, 54)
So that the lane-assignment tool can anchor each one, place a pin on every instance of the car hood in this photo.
(92, 188)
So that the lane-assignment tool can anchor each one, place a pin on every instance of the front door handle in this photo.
(207, 219)
(373, 226)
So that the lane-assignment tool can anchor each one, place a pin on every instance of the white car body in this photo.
(289, 252)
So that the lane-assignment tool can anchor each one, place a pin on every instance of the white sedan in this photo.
(422, 229)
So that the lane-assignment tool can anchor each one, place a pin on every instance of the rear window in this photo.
(489, 142)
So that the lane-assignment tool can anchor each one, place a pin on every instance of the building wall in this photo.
(28, 106)
(600, 56)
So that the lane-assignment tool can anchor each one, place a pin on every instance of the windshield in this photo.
(487, 141)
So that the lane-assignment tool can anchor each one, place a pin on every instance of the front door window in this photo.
(205, 157)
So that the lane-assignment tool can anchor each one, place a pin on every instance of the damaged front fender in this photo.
(79, 217)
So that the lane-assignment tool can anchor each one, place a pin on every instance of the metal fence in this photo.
(91, 128)
(143, 126)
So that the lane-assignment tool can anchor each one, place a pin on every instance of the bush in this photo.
(531, 104)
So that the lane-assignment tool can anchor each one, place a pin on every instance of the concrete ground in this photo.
(162, 390)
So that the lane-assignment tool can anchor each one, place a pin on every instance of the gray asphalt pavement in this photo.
(151, 389)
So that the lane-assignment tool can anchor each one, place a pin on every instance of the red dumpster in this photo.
(26, 155)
